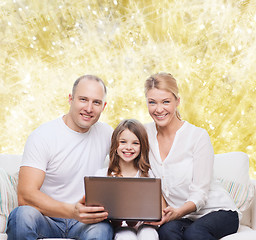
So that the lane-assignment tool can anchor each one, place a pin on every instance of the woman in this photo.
(181, 154)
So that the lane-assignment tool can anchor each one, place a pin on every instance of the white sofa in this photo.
(231, 170)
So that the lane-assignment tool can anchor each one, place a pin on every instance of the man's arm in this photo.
(30, 182)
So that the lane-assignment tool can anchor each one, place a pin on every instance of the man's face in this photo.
(86, 105)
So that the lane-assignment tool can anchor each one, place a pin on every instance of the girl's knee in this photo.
(147, 232)
(125, 234)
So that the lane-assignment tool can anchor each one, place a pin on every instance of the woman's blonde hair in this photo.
(141, 162)
(163, 81)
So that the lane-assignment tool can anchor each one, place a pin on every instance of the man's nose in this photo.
(89, 107)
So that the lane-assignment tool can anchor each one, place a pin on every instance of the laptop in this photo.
(137, 199)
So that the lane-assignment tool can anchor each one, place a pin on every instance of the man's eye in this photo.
(97, 103)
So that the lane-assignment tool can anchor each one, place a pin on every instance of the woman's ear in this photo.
(178, 102)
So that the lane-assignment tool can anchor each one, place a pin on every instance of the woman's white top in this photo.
(186, 173)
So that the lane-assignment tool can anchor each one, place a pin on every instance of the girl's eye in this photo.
(122, 141)
(166, 102)
(136, 143)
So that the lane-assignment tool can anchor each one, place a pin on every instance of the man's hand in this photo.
(88, 215)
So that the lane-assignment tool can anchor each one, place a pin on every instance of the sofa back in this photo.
(232, 166)
(10, 162)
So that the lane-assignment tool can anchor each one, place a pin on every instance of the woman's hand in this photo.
(169, 214)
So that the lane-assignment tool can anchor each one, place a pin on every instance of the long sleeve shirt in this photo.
(187, 171)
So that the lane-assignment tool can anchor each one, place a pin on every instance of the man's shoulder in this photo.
(47, 128)
(103, 172)
(103, 127)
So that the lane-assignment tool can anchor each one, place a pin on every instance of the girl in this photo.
(181, 155)
(129, 158)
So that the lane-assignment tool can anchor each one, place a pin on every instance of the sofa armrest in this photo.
(254, 208)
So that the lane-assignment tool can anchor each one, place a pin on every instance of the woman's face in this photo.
(162, 106)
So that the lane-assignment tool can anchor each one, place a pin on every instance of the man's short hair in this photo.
(90, 77)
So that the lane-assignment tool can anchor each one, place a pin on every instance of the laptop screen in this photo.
(125, 198)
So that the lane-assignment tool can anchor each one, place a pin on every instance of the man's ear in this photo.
(104, 105)
(70, 98)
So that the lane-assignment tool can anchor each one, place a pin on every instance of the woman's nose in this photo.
(159, 108)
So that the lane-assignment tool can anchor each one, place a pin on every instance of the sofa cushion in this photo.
(8, 196)
(232, 169)
(242, 194)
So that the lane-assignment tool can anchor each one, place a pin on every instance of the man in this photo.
(56, 157)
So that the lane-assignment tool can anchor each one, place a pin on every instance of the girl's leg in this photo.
(125, 233)
(147, 232)
(213, 226)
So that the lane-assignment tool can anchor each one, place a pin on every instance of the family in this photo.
(58, 155)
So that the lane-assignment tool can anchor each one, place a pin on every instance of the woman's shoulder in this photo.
(193, 128)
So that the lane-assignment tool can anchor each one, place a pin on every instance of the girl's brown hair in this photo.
(141, 162)
(163, 81)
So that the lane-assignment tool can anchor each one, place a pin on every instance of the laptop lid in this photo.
(125, 198)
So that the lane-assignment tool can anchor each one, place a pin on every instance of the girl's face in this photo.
(162, 106)
(129, 146)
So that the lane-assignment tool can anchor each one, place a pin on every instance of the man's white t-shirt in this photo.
(66, 157)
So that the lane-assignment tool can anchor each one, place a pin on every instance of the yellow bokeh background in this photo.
(209, 46)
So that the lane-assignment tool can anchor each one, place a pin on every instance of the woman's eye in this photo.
(166, 102)
(151, 102)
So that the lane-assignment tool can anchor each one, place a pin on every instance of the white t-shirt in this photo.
(103, 172)
(66, 156)
(187, 171)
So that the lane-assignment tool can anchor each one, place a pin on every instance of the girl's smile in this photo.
(129, 146)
